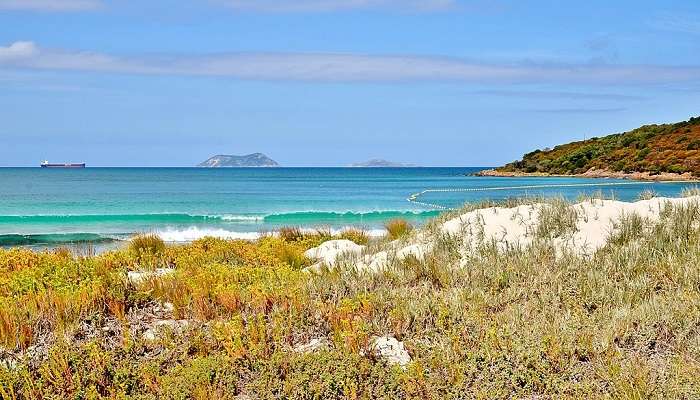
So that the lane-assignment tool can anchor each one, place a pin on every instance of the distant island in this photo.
(249, 160)
(651, 152)
(378, 162)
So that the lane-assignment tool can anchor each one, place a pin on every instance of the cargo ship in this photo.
(46, 164)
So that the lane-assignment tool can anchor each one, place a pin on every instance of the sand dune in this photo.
(581, 228)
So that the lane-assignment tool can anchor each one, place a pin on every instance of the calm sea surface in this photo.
(53, 206)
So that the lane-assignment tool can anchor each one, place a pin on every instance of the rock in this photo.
(7, 359)
(328, 252)
(314, 268)
(158, 327)
(391, 350)
(314, 344)
(136, 277)
(8, 363)
(165, 308)
(374, 262)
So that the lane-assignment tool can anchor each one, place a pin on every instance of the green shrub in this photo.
(146, 244)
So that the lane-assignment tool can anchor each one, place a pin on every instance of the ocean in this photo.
(50, 207)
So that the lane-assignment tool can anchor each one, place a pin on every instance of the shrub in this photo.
(292, 256)
(355, 235)
(398, 228)
(290, 233)
(146, 244)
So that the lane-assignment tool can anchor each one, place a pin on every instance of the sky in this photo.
(333, 82)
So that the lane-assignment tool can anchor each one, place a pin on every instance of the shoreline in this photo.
(596, 173)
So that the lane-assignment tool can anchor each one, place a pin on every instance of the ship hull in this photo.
(82, 165)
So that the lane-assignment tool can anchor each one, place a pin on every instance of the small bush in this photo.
(291, 234)
(293, 256)
(147, 243)
(398, 228)
(355, 235)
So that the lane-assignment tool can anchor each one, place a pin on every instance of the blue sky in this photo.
(331, 82)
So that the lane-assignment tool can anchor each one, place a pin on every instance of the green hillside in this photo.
(654, 149)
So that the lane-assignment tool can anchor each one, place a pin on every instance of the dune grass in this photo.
(523, 323)
(355, 235)
(398, 228)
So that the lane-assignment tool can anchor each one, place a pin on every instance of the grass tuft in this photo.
(290, 233)
(356, 235)
(647, 194)
(398, 228)
(557, 218)
(690, 191)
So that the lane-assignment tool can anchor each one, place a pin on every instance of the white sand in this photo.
(508, 228)
(513, 227)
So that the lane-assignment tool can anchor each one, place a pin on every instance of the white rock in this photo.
(158, 327)
(374, 262)
(328, 252)
(9, 363)
(166, 307)
(136, 277)
(314, 268)
(314, 344)
(391, 350)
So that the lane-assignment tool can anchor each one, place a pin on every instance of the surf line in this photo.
(413, 198)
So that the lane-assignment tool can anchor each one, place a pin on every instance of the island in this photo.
(378, 163)
(650, 152)
(249, 160)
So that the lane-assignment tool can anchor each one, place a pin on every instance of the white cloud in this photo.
(50, 5)
(342, 67)
(337, 5)
(18, 51)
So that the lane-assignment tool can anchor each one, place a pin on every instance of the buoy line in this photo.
(413, 198)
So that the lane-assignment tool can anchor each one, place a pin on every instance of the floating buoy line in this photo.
(414, 198)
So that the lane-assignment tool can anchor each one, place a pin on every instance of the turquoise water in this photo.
(53, 206)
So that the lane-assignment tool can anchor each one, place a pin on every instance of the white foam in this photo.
(251, 218)
(194, 233)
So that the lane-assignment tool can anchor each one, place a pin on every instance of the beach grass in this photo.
(398, 228)
(526, 322)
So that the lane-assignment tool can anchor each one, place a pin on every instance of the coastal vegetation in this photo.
(653, 149)
(245, 320)
(398, 228)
